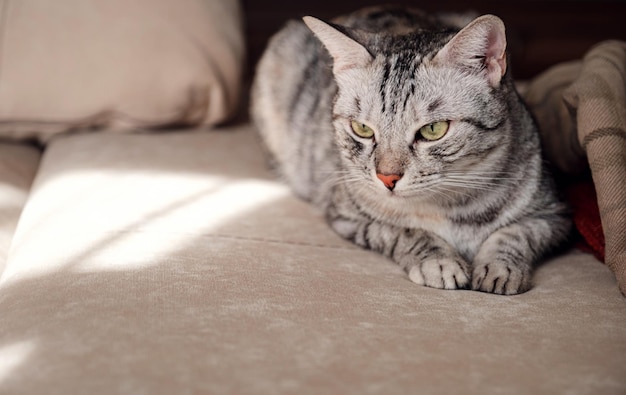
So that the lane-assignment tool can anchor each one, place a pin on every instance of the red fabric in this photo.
(584, 203)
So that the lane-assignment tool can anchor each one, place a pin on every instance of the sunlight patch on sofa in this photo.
(160, 236)
(92, 221)
(13, 356)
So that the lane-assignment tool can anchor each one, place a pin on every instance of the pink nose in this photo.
(389, 179)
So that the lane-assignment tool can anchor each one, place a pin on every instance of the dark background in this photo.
(539, 33)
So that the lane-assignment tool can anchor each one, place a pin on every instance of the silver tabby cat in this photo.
(407, 131)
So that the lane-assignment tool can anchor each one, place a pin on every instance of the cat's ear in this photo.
(346, 52)
(480, 45)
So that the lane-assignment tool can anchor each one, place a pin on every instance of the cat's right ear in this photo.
(481, 45)
(346, 52)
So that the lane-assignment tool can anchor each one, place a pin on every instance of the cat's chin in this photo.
(404, 200)
(421, 201)
(403, 209)
(412, 197)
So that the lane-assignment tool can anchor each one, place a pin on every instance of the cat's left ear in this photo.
(480, 45)
(346, 52)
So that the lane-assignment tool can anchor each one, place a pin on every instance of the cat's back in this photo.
(281, 69)
(293, 84)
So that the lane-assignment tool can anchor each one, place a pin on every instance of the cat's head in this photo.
(420, 114)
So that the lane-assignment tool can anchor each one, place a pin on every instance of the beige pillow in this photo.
(118, 64)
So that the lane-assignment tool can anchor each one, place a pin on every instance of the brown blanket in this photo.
(581, 110)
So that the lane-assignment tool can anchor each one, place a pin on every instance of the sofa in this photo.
(146, 249)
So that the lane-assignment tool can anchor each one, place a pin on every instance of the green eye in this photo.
(362, 130)
(434, 131)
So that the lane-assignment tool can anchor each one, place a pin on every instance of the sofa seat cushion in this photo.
(175, 263)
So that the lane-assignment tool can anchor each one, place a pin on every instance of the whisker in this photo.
(439, 193)
(472, 183)
(479, 175)
(454, 191)
(471, 187)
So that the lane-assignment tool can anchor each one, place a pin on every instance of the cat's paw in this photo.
(442, 273)
(501, 278)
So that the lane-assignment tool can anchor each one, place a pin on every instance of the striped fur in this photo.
(475, 209)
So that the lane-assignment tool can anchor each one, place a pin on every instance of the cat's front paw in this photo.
(444, 273)
(502, 278)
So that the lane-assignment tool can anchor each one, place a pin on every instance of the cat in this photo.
(406, 130)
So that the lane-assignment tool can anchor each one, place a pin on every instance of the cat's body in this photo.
(411, 138)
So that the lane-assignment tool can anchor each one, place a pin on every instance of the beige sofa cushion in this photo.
(72, 64)
(174, 263)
